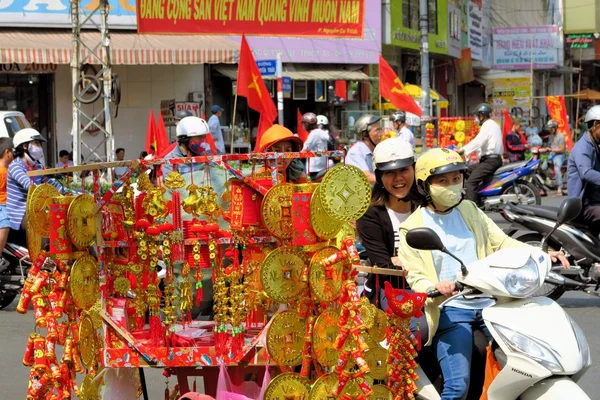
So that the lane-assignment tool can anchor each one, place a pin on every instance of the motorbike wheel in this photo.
(6, 299)
(528, 189)
(547, 290)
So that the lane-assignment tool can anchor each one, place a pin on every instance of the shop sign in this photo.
(579, 41)
(57, 13)
(32, 68)
(523, 47)
(167, 108)
(287, 87)
(267, 67)
(475, 28)
(316, 18)
(511, 92)
(408, 38)
(188, 106)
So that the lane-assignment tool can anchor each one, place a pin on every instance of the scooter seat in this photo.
(548, 212)
(510, 167)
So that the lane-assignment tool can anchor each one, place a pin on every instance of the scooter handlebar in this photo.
(433, 293)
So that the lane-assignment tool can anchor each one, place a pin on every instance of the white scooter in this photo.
(541, 350)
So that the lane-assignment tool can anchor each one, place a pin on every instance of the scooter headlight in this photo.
(519, 282)
(530, 348)
(582, 343)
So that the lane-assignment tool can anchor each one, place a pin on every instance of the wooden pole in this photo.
(576, 123)
(532, 89)
(233, 122)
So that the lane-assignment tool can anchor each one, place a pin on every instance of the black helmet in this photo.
(484, 109)
(181, 114)
(398, 116)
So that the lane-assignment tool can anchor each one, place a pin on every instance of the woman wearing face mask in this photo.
(28, 153)
(280, 139)
(470, 235)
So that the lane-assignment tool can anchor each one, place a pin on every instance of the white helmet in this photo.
(27, 135)
(322, 120)
(593, 114)
(393, 154)
(192, 126)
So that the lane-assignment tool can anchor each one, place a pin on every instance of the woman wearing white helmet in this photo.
(193, 139)
(28, 153)
(379, 228)
(317, 140)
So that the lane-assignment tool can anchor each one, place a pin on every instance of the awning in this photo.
(230, 71)
(51, 46)
(416, 92)
(486, 83)
(587, 94)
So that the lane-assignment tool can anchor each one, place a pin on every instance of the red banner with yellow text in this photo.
(316, 18)
(558, 112)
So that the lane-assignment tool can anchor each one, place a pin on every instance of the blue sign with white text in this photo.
(267, 67)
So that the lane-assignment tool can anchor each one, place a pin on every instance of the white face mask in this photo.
(35, 152)
(446, 196)
(477, 121)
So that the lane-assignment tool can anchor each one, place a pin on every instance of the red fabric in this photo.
(167, 150)
(391, 88)
(558, 112)
(251, 85)
(151, 134)
(264, 123)
(302, 133)
(506, 127)
(162, 138)
(341, 89)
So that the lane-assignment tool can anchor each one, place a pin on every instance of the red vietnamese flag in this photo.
(391, 88)
(151, 134)
(162, 138)
(302, 133)
(341, 89)
(506, 127)
(251, 85)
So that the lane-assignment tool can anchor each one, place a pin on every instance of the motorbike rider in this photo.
(399, 124)
(27, 155)
(556, 156)
(468, 233)
(489, 144)
(309, 121)
(583, 170)
(317, 140)
(281, 140)
(514, 144)
(193, 139)
(368, 135)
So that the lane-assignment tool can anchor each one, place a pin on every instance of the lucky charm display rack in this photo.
(282, 260)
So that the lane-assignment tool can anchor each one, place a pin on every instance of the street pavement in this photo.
(15, 329)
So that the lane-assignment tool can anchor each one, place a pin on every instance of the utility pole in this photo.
(425, 102)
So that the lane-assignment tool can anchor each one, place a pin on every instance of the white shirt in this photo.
(360, 156)
(488, 141)
(215, 130)
(407, 135)
(397, 218)
(460, 241)
(316, 141)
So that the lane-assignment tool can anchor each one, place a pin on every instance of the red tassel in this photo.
(199, 294)
(194, 387)
(167, 393)
(156, 331)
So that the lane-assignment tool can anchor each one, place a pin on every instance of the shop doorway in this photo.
(33, 95)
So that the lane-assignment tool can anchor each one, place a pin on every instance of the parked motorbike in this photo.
(13, 271)
(510, 185)
(541, 351)
(574, 239)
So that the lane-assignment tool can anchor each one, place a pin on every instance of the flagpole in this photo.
(233, 121)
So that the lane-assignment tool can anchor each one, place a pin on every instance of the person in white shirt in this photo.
(215, 128)
(488, 143)
(317, 141)
(368, 134)
(399, 123)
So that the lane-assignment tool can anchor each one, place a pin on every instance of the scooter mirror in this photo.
(569, 210)
(424, 239)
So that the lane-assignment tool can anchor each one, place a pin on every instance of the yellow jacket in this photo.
(421, 274)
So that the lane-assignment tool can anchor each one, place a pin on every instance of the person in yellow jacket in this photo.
(470, 235)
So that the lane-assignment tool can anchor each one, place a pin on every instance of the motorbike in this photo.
(541, 351)
(574, 239)
(510, 185)
(545, 180)
(13, 271)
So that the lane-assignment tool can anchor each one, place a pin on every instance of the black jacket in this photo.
(376, 234)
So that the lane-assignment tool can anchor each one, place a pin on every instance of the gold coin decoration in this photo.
(379, 327)
(377, 360)
(347, 230)
(87, 341)
(81, 221)
(38, 207)
(94, 313)
(174, 180)
(345, 192)
(381, 392)
(367, 312)
(276, 211)
(288, 386)
(89, 390)
(322, 387)
(325, 287)
(285, 338)
(121, 285)
(325, 332)
(84, 282)
(280, 275)
(324, 226)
